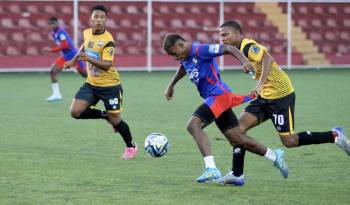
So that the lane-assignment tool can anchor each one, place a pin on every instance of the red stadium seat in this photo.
(126, 23)
(15, 9)
(67, 10)
(143, 23)
(50, 9)
(3, 38)
(159, 23)
(333, 10)
(33, 9)
(18, 37)
(346, 23)
(32, 51)
(345, 36)
(316, 23)
(211, 10)
(12, 51)
(35, 37)
(191, 23)
(138, 37)
(318, 10)
(330, 36)
(331, 23)
(176, 23)
(316, 36)
(121, 37)
(24, 23)
(202, 37)
(163, 9)
(42, 23)
(343, 48)
(116, 9)
(180, 10)
(110, 23)
(347, 10)
(7, 23)
(131, 9)
(195, 10)
(83, 9)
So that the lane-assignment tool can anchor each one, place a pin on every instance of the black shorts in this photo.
(224, 122)
(112, 96)
(280, 111)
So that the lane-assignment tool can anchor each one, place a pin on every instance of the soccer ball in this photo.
(156, 144)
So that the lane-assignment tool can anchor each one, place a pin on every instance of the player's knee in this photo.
(114, 121)
(192, 126)
(75, 114)
(289, 141)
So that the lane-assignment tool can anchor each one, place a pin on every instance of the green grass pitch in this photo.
(46, 157)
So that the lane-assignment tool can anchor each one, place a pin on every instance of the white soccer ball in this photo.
(156, 144)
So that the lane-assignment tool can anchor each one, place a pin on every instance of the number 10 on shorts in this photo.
(278, 119)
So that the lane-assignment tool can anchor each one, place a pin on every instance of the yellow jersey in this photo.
(101, 47)
(278, 83)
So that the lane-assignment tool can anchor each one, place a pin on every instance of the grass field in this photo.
(46, 157)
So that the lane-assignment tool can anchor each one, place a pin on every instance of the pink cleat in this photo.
(130, 152)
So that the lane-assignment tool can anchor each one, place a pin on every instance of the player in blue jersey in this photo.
(64, 45)
(199, 63)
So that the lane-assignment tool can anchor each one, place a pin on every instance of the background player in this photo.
(65, 46)
(275, 101)
(198, 61)
(103, 82)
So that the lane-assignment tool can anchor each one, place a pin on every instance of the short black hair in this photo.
(99, 8)
(170, 40)
(232, 24)
(53, 19)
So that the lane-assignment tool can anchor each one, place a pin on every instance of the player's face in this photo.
(53, 25)
(178, 51)
(229, 36)
(98, 19)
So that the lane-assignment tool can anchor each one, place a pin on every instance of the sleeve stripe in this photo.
(246, 49)
(110, 44)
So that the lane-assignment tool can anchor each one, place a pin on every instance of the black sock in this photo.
(124, 131)
(93, 114)
(238, 160)
(307, 138)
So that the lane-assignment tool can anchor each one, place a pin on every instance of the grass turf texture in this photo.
(46, 157)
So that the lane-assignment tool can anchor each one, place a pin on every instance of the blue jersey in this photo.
(61, 35)
(203, 70)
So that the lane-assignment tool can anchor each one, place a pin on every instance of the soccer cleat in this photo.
(341, 140)
(231, 180)
(130, 152)
(54, 98)
(280, 163)
(209, 175)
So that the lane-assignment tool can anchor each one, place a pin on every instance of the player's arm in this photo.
(169, 91)
(73, 61)
(266, 62)
(228, 49)
(63, 45)
(107, 57)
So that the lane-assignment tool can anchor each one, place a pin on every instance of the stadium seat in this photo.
(3, 38)
(163, 9)
(67, 10)
(143, 23)
(343, 48)
(126, 23)
(191, 23)
(180, 10)
(15, 9)
(345, 36)
(346, 23)
(83, 9)
(42, 23)
(330, 36)
(35, 37)
(202, 37)
(195, 10)
(12, 51)
(7, 23)
(159, 23)
(32, 51)
(331, 23)
(116, 9)
(211, 10)
(120, 36)
(110, 23)
(24, 23)
(176, 23)
(50, 9)
(333, 10)
(18, 37)
(131, 9)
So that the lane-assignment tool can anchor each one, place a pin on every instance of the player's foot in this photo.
(209, 175)
(280, 163)
(230, 179)
(130, 152)
(341, 140)
(54, 98)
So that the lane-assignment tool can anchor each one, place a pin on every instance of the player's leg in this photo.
(201, 118)
(228, 124)
(56, 68)
(81, 105)
(113, 101)
(283, 119)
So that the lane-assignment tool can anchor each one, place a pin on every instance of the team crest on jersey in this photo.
(214, 48)
(194, 60)
(100, 44)
(255, 49)
(110, 52)
(91, 44)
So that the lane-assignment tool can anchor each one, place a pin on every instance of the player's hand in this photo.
(46, 50)
(258, 89)
(69, 64)
(83, 57)
(169, 92)
(247, 67)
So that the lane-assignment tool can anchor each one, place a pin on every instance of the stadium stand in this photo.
(26, 32)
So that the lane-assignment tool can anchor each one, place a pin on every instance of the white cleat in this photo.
(341, 140)
(54, 98)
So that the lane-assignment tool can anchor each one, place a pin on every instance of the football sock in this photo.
(93, 114)
(124, 131)
(307, 138)
(238, 160)
(55, 89)
(270, 155)
(209, 162)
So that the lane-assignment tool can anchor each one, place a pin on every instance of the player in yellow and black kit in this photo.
(275, 101)
(103, 82)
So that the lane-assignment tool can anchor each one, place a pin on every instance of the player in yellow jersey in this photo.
(103, 82)
(275, 101)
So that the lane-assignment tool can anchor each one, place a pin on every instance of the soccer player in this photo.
(198, 61)
(275, 101)
(103, 82)
(65, 46)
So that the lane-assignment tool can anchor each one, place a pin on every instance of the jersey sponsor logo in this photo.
(214, 48)
(91, 44)
(92, 54)
(193, 75)
(255, 49)
(100, 44)
(62, 37)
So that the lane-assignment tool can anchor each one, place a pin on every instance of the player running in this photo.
(65, 46)
(275, 101)
(198, 61)
(103, 82)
